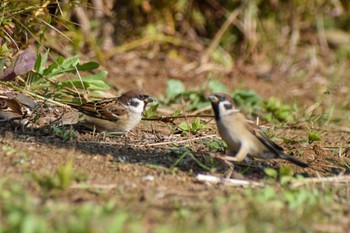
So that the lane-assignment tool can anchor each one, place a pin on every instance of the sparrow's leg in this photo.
(230, 170)
(230, 165)
(237, 156)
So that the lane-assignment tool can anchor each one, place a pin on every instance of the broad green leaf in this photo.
(2, 63)
(271, 172)
(286, 171)
(40, 62)
(184, 126)
(151, 111)
(94, 81)
(175, 87)
(98, 76)
(273, 104)
(70, 62)
(88, 66)
(216, 85)
(314, 137)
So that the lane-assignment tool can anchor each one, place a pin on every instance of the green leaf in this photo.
(314, 137)
(98, 76)
(151, 111)
(216, 85)
(273, 104)
(40, 62)
(286, 171)
(192, 127)
(65, 175)
(88, 66)
(70, 62)
(175, 88)
(91, 82)
(2, 64)
(184, 126)
(246, 98)
(271, 172)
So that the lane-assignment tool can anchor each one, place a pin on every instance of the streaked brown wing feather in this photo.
(109, 109)
(254, 129)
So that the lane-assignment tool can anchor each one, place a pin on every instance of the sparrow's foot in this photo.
(231, 166)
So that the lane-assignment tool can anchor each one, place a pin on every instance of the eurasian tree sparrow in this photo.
(244, 137)
(120, 114)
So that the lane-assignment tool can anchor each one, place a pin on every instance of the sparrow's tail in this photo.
(293, 160)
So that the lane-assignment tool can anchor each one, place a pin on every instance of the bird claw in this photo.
(231, 166)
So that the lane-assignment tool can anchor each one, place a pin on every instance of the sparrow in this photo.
(243, 137)
(119, 114)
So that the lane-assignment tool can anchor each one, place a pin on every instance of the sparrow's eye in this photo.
(142, 97)
(221, 98)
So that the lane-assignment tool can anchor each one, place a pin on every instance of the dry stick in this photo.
(93, 186)
(337, 180)
(181, 141)
(226, 181)
(171, 118)
(230, 19)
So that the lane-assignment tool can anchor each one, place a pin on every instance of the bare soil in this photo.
(137, 171)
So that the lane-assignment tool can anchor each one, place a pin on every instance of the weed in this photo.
(176, 93)
(186, 153)
(247, 100)
(313, 137)
(216, 144)
(277, 111)
(151, 110)
(62, 179)
(46, 78)
(192, 127)
(65, 135)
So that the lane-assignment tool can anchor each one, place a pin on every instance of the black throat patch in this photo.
(215, 107)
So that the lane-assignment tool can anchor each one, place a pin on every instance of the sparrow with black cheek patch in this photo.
(244, 137)
(120, 114)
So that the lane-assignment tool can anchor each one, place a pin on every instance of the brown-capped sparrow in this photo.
(244, 137)
(120, 114)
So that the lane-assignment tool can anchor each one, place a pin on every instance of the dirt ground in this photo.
(141, 165)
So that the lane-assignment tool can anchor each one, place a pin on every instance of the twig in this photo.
(181, 141)
(172, 118)
(93, 186)
(335, 180)
(226, 181)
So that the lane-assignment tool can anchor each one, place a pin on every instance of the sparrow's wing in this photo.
(108, 109)
(255, 130)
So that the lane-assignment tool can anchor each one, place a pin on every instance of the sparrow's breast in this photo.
(229, 134)
(132, 121)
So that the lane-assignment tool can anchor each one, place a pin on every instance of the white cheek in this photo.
(139, 108)
(223, 111)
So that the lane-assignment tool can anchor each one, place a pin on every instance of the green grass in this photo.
(270, 209)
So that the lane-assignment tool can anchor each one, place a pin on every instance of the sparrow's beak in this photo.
(149, 100)
(213, 99)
